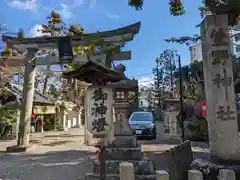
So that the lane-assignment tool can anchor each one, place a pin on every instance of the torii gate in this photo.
(31, 47)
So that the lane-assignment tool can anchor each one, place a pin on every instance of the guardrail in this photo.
(127, 173)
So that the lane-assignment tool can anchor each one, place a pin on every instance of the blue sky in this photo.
(98, 15)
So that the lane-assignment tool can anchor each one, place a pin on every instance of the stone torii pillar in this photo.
(219, 89)
(26, 107)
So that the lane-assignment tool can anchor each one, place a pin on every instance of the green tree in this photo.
(192, 80)
(20, 33)
(158, 89)
(54, 26)
(167, 61)
(176, 7)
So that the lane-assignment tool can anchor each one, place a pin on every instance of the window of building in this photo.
(237, 49)
(120, 95)
(237, 37)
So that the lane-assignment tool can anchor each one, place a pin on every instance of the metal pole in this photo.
(158, 82)
(181, 96)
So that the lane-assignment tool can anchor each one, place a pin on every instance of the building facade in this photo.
(144, 98)
(234, 33)
(195, 52)
(235, 38)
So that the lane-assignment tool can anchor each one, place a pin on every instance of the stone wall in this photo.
(176, 161)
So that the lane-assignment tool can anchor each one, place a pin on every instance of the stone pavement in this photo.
(63, 156)
(55, 156)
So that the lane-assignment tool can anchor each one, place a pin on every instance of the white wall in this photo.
(196, 49)
(144, 97)
(235, 38)
(143, 101)
(195, 52)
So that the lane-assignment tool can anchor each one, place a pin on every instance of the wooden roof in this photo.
(16, 90)
(124, 84)
(92, 72)
(83, 38)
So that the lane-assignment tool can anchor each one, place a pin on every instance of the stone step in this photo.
(140, 167)
(94, 176)
(124, 154)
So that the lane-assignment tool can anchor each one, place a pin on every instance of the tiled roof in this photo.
(38, 97)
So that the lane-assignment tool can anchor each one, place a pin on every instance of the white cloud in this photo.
(92, 3)
(26, 5)
(36, 31)
(145, 81)
(65, 11)
(112, 16)
(77, 3)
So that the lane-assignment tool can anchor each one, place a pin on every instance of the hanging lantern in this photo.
(65, 49)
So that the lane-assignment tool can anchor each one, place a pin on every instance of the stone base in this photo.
(16, 148)
(141, 167)
(218, 160)
(124, 141)
(124, 154)
(210, 169)
(94, 176)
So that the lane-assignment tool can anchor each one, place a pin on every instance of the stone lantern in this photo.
(124, 94)
(98, 101)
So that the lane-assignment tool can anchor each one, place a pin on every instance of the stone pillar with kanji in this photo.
(219, 89)
(98, 114)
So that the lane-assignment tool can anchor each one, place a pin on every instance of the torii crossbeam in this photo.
(30, 61)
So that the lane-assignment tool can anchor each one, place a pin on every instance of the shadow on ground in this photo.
(62, 135)
(59, 165)
(57, 143)
(160, 141)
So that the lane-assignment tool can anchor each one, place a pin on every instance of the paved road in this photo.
(62, 156)
(163, 143)
(56, 156)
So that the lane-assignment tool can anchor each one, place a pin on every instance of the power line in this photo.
(141, 74)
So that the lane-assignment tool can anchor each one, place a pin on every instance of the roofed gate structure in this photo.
(28, 48)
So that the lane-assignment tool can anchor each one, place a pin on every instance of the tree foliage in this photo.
(192, 76)
(167, 61)
(8, 114)
(176, 7)
(184, 40)
(54, 26)
(164, 74)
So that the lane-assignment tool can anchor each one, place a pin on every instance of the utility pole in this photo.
(173, 58)
(181, 96)
(157, 73)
